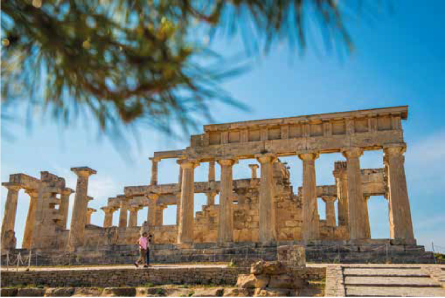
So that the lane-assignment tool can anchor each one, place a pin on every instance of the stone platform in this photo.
(370, 251)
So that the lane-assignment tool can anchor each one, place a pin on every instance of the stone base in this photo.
(243, 254)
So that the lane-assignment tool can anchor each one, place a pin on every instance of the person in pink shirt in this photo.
(143, 248)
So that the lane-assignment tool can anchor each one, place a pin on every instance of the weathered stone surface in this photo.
(208, 292)
(274, 267)
(59, 292)
(87, 292)
(30, 292)
(8, 292)
(236, 292)
(252, 281)
(271, 292)
(119, 292)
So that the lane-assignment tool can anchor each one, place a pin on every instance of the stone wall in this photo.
(123, 277)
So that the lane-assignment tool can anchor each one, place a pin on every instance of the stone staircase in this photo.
(396, 281)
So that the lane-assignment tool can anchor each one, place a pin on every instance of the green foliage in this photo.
(144, 61)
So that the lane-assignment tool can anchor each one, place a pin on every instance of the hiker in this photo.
(143, 250)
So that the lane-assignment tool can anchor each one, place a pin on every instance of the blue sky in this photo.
(399, 59)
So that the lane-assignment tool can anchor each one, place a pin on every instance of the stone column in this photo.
(159, 218)
(154, 171)
(180, 177)
(357, 220)
(225, 227)
(368, 226)
(123, 215)
(64, 206)
(108, 219)
(341, 182)
(253, 169)
(151, 216)
(178, 208)
(77, 231)
(330, 211)
(10, 211)
(267, 228)
(310, 228)
(211, 171)
(90, 211)
(211, 198)
(186, 217)
(401, 226)
(133, 216)
(30, 218)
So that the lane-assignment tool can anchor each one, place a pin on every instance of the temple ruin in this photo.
(257, 212)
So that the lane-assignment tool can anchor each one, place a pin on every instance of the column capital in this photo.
(67, 191)
(135, 208)
(12, 186)
(108, 209)
(227, 162)
(91, 210)
(254, 166)
(188, 163)
(153, 196)
(155, 159)
(308, 156)
(352, 152)
(33, 193)
(83, 171)
(327, 199)
(394, 150)
(266, 158)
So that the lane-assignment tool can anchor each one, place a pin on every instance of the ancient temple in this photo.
(262, 210)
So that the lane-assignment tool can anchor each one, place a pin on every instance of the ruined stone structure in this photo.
(263, 209)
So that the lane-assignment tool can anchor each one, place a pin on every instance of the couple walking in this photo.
(144, 250)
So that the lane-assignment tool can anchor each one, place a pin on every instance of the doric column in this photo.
(186, 217)
(211, 171)
(401, 226)
(108, 219)
(64, 206)
(366, 214)
(211, 198)
(151, 216)
(133, 216)
(267, 227)
(77, 230)
(159, 220)
(90, 211)
(178, 208)
(30, 218)
(181, 171)
(341, 181)
(10, 210)
(330, 210)
(310, 228)
(225, 227)
(253, 169)
(357, 221)
(154, 171)
(123, 215)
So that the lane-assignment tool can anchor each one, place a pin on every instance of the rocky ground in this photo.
(316, 289)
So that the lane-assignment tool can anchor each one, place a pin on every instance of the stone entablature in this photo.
(323, 133)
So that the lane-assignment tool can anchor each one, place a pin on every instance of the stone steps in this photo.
(390, 281)
(393, 292)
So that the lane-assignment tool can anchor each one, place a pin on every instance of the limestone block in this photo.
(236, 292)
(119, 292)
(257, 268)
(30, 292)
(287, 281)
(206, 292)
(87, 292)
(273, 267)
(10, 292)
(293, 256)
(59, 292)
(271, 292)
(250, 281)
